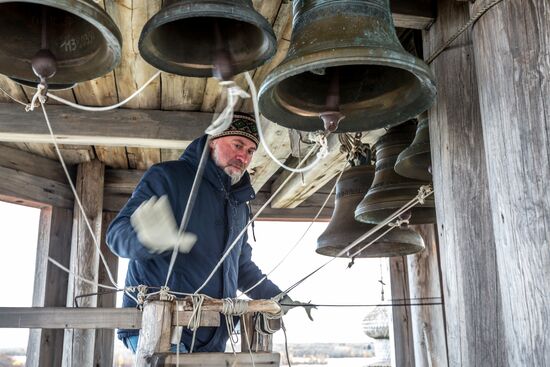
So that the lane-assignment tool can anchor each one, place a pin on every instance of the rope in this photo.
(195, 320)
(220, 124)
(104, 108)
(422, 194)
(461, 30)
(228, 251)
(303, 235)
(248, 341)
(324, 147)
(42, 101)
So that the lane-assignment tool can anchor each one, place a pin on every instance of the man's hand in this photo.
(287, 303)
(156, 227)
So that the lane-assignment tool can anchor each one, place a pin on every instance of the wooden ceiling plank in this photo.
(142, 158)
(122, 127)
(114, 157)
(13, 89)
(299, 188)
(133, 71)
(182, 93)
(170, 154)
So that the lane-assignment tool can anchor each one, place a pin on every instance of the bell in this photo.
(416, 161)
(343, 229)
(345, 57)
(202, 38)
(390, 191)
(70, 40)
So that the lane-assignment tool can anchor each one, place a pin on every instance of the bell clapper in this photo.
(332, 116)
(222, 64)
(44, 63)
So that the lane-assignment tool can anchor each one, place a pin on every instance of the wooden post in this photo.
(45, 347)
(402, 329)
(154, 335)
(428, 322)
(512, 59)
(105, 338)
(79, 343)
(467, 246)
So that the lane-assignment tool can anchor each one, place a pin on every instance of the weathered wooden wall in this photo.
(467, 246)
(512, 59)
(428, 322)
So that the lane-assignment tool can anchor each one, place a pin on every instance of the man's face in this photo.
(233, 154)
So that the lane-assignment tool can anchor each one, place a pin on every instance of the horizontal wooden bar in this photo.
(216, 359)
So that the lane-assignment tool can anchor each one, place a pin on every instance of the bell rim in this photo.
(93, 14)
(404, 167)
(346, 57)
(51, 86)
(416, 244)
(158, 20)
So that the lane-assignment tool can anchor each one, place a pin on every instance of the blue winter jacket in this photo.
(219, 214)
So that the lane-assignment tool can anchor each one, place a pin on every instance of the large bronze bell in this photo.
(197, 37)
(416, 160)
(345, 57)
(390, 191)
(81, 39)
(343, 229)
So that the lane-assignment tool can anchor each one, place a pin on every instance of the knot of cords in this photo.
(320, 138)
(222, 122)
(142, 294)
(38, 98)
(195, 320)
(234, 306)
(400, 222)
(164, 294)
(423, 192)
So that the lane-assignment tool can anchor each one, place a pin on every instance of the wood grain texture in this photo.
(467, 245)
(79, 344)
(154, 336)
(105, 338)
(45, 346)
(512, 59)
(122, 127)
(428, 322)
(133, 71)
(216, 359)
(402, 319)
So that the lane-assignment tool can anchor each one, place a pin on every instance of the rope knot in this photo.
(38, 98)
(423, 192)
(234, 306)
(142, 294)
(164, 294)
(222, 122)
(320, 138)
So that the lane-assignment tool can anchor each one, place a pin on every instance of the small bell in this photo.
(416, 161)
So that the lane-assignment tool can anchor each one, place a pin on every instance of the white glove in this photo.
(156, 227)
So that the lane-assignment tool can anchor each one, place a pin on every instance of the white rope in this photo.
(243, 231)
(245, 332)
(12, 97)
(195, 320)
(324, 147)
(42, 100)
(220, 124)
(104, 108)
(301, 237)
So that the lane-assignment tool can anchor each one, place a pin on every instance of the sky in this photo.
(334, 284)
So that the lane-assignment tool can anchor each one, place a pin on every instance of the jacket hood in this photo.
(241, 191)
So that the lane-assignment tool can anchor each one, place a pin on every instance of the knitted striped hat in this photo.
(243, 124)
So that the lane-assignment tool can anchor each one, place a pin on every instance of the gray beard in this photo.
(235, 177)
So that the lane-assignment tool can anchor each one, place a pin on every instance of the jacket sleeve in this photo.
(121, 237)
(250, 274)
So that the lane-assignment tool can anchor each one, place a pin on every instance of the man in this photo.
(146, 231)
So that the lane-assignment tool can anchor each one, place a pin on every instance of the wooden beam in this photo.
(428, 322)
(300, 187)
(79, 344)
(121, 127)
(513, 67)
(45, 346)
(467, 245)
(216, 359)
(402, 329)
(416, 14)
